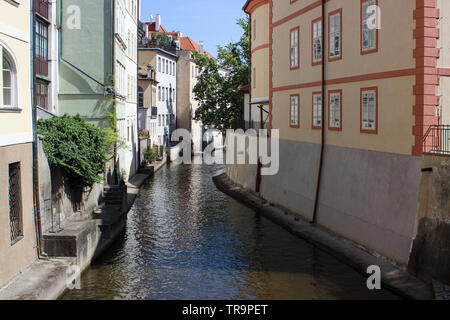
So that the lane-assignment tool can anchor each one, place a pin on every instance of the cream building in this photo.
(352, 94)
(17, 228)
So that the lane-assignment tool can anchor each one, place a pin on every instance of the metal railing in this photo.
(15, 202)
(437, 140)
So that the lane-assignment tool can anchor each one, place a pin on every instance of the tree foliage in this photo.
(77, 147)
(220, 101)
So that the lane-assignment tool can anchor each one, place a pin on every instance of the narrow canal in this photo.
(187, 240)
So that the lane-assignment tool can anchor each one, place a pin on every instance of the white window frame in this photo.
(335, 22)
(294, 111)
(294, 48)
(317, 41)
(365, 31)
(4, 54)
(335, 105)
(317, 110)
(369, 109)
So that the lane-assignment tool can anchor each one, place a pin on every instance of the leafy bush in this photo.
(150, 156)
(79, 148)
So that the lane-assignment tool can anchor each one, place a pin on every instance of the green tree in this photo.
(220, 101)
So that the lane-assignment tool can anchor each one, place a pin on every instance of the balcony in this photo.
(42, 8)
(154, 43)
(437, 140)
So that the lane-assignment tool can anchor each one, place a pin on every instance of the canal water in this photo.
(187, 240)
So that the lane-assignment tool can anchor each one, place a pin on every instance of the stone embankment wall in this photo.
(430, 258)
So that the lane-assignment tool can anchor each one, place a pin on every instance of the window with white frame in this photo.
(334, 21)
(294, 111)
(159, 64)
(317, 41)
(8, 80)
(369, 109)
(335, 105)
(369, 34)
(317, 110)
(294, 47)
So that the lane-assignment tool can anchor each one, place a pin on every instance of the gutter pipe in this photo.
(322, 145)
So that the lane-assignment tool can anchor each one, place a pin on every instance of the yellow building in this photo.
(17, 228)
(352, 87)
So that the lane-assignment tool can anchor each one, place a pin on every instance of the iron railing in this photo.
(15, 202)
(437, 140)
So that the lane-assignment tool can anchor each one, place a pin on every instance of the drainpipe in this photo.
(36, 200)
(322, 144)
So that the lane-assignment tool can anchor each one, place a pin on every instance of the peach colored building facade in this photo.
(352, 105)
(17, 224)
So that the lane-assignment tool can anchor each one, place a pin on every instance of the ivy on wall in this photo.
(80, 149)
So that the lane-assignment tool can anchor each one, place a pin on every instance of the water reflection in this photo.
(187, 240)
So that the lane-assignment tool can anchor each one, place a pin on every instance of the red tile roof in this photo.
(188, 44)
(152, 28)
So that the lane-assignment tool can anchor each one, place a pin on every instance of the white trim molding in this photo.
(12, 139)
(14, 33)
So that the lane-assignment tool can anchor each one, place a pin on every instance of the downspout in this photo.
(138, 158)
(36, 200)
(322, 144)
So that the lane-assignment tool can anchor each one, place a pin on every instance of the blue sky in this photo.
(211, 21)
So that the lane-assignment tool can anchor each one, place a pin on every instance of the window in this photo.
(167, 66)
(15, 203)
(369, 110)
(335, 110)
(295, 117)
(295, 48)
(140, 97)
(167, 93)
(369, 32)
(159, 120)
(317, 110)
(128, 130)
(8, 80)
(42, 94)
(316, 29)
(41, 48)
(335, 35)
(159, 64)
(159, 93)
(193, 74)
(254, 29)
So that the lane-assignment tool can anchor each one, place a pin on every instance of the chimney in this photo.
(201, 46)
(146, 30)
(158, 22)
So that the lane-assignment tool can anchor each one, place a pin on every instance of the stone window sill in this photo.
(10, 110)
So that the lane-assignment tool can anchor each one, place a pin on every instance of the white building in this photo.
(125, 53)
(166, 96)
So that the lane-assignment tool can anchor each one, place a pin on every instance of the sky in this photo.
(210, 21)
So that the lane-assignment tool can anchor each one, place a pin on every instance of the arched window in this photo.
(8, 80)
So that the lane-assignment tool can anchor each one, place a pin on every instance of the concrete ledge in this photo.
(394, 278)
(43, 280)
